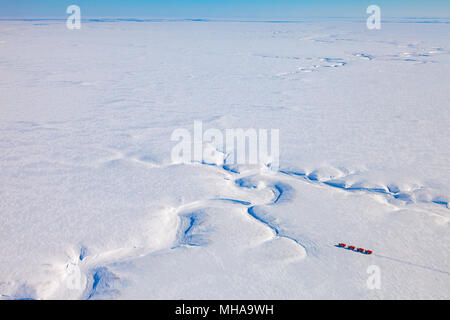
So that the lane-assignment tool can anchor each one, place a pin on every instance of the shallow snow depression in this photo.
(92, 207)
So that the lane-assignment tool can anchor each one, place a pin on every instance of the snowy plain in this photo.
(88, 186)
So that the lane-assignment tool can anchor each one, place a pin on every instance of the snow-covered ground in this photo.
(92, 207)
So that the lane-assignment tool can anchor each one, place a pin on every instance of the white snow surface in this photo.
(87, 181)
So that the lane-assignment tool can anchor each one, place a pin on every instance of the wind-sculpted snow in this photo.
(410, 194)
(93, 207)
(102, 284)
(190, 229)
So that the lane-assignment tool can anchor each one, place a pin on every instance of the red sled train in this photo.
(353, 248)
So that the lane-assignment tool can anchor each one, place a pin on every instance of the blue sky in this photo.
(289, 9)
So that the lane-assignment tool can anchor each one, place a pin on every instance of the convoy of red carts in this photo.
(353, 248)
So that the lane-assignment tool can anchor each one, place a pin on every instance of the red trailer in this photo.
(353, 248)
